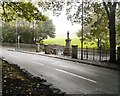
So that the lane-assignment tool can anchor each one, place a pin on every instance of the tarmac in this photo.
(0, 77)
(108, 65)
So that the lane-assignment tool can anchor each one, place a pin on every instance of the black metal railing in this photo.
(88, 53)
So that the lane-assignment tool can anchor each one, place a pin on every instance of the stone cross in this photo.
(68, 35)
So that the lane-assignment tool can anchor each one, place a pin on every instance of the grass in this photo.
(74, 41)
(59, 41)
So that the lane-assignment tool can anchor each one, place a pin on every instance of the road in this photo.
(0, 77)
(70, 77)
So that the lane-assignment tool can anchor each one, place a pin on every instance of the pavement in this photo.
(94, 63)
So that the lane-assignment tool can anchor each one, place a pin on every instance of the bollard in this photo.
(55, 51)
(74, 51)
(46, 49)
(118, 54)
(37, 47)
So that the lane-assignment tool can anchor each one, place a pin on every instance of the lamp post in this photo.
(16, 36)
(82, 35)
(18, 42)
(16, 33)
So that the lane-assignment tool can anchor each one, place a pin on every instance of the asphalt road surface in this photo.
(0, 77)
(70, 77)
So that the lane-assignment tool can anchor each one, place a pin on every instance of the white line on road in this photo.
(77, 76)
(93, 81)
(41, 64)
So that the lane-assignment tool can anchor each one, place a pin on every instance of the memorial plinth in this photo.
(67, 51)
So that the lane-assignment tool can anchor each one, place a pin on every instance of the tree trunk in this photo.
(112, 36)
(110, 10)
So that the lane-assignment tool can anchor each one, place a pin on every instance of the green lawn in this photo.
(74, 41)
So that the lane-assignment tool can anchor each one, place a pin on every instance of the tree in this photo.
(12, 10)
(24, 31)
(27, 35)
(89, 8)
(118, 34)
(97, 30)
(118, 25)
(44, 30)
(8, 32)
(110, 8)
(111, 11)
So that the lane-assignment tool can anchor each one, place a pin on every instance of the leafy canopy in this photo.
(28, 31)
(12, 10)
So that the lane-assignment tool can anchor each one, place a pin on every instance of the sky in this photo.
(63, 25)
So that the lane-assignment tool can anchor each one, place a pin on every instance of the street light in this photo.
(16, 36)
(34, 39)
(18, 42)
(82, 35)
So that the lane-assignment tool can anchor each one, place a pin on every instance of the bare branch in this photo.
(106, 8)
(3, 8)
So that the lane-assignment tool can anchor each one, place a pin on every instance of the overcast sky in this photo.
(63, 25)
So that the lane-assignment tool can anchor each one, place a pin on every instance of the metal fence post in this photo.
(118, 54)
(93, 54)
(100, 53)
(106, 54)
(87, 52)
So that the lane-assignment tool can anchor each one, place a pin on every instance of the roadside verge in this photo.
(19, 82)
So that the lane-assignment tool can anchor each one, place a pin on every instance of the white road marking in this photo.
(41, 64)
(93, 81)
